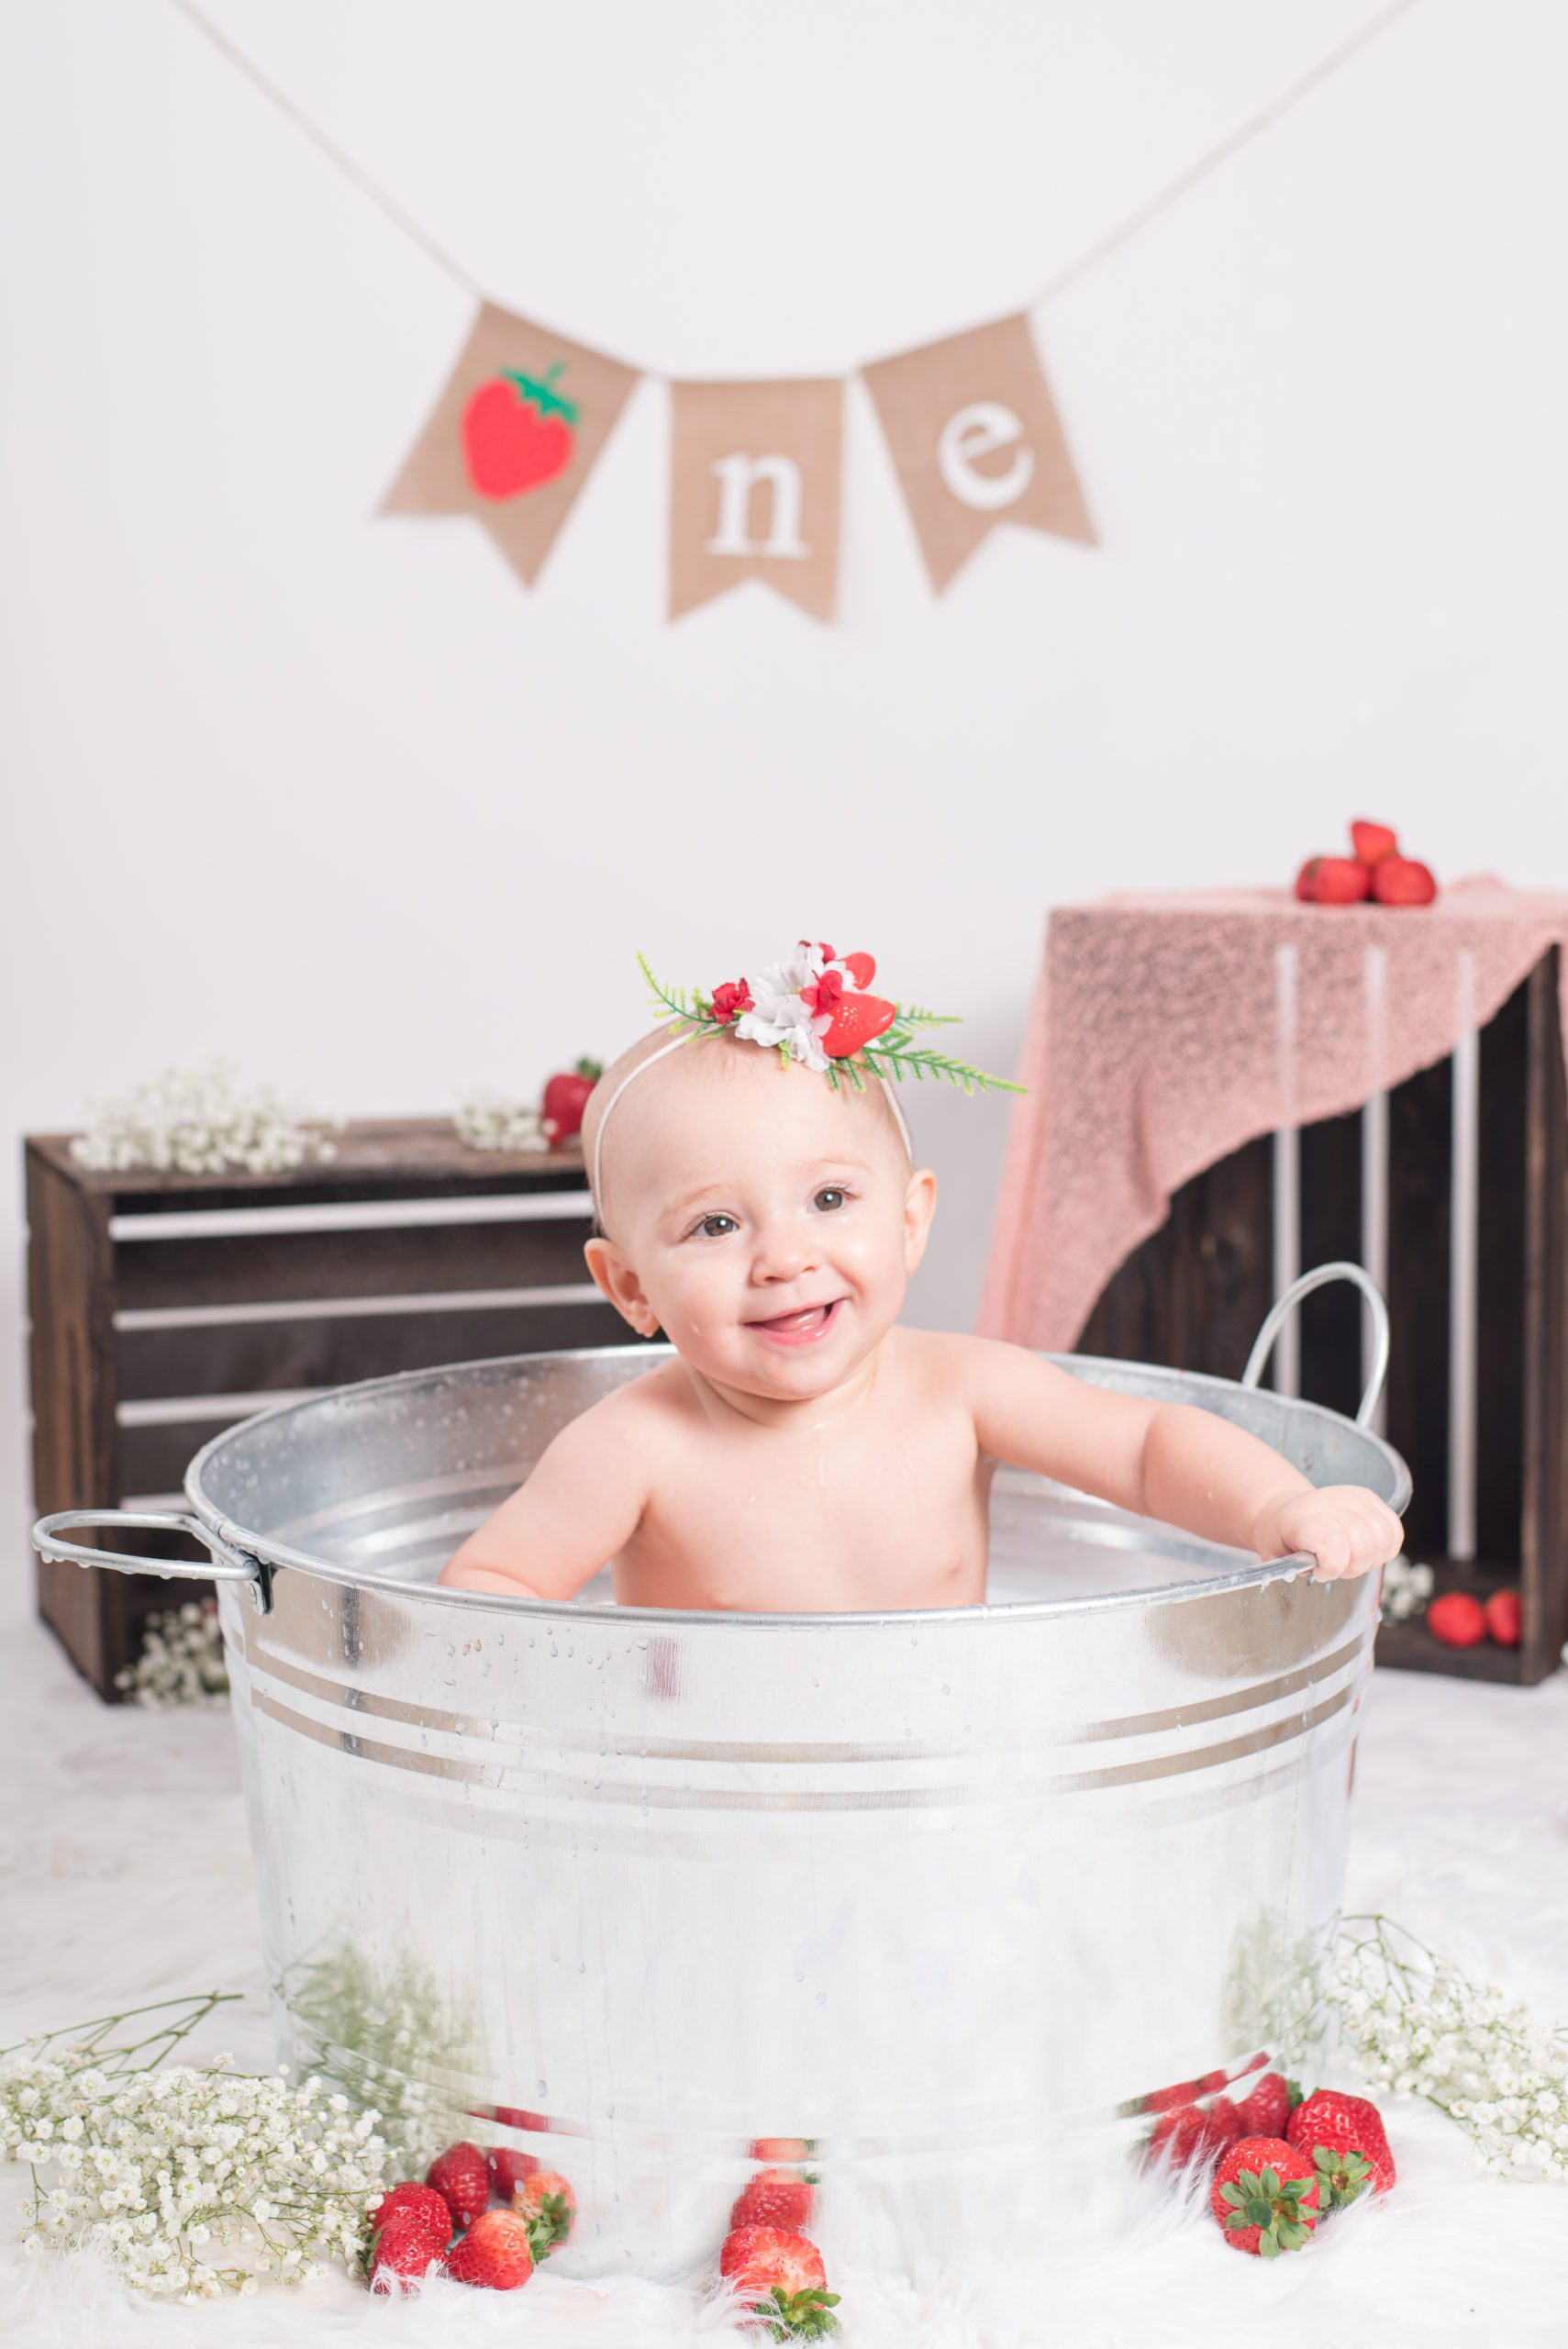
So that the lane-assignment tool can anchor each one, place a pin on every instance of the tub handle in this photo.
(1283, 1306)
(225, 1564)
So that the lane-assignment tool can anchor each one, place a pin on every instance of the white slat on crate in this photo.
(1374, 1157)
(1464, 1227)
(169, 1410)
(328, 1309)
(370, 1215)
(1287, 1170)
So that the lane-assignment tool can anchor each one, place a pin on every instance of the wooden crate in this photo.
(1194, 1295)
(165, 1307)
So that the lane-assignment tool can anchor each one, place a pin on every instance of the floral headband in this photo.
(817, 1008)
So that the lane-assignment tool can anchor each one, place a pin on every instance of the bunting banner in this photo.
(976, 440)
(513, 436)
(754, 491)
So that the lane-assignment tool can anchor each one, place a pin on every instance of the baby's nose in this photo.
(783, 1253)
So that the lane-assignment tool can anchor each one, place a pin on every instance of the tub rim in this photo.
(282, 1555)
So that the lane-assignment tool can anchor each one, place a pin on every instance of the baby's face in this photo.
(766, 1224)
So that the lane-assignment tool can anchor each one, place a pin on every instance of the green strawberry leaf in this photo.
(1267, 2247)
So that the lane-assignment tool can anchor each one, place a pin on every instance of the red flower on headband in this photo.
(732, 1000)
(824, 993)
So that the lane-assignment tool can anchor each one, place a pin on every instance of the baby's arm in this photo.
(580, 1504)
(1171, 1461)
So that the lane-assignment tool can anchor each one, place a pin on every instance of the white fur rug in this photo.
(127, 1876)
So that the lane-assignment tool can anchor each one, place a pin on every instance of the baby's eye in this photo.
(707, 1225)
(830, 1198)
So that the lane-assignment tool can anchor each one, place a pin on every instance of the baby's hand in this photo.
(1345, 1528)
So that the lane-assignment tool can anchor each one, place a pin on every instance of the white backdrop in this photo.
(335, 794)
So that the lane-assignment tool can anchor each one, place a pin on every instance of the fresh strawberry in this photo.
(1457, 1619)
(1212, 2082)
(566, 1097)
(781, 2276)
(1333, 880)
(1347, 2139)
(1505, 1618)
(1265, 2197)
(418, 2204)
(1167, 2099)
(860, 968)
(783, 2149)
(548, 2205)
(495, 2253)
(774, 2197)
(1400, 881)
(1266, 2111)
(508, 2170)
(461, 2176)
(857, 1020)
(1224, 2124)
(1373, 842)
(403, 2252)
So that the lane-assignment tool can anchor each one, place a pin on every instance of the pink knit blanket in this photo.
(1167, 1030)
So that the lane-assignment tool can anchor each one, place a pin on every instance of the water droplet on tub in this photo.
(821, 1998)
(799, 1975)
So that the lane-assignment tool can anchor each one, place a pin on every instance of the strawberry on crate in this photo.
(1458, 1620)
(1265, 2197)
(565, 1098)
(1505, 1618)
(1333, 881)
(775, 2197)
(780, 2276)
(1401, 881)
(1346, 2140)
(546, 2206)
(495, 2252)
(508, 2170)
(1373, 842)
(461, 2176)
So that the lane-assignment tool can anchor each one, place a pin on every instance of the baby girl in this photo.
(758, 1202)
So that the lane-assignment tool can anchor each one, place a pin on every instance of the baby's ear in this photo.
(919, 1206)
(617, 1280)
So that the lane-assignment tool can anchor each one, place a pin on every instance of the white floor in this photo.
(127, 1876)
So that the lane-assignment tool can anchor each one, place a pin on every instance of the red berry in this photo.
(783, 2149)
(1266, 2111)
(548, 2205)
(1373, 841)
(1346, 2136)
(774, 2197)
(404, 2250)
(1333, 880)
(420, 2205)
(508, 444)
(495, 2253)
(781, 2276)
(509, 2170)
(1265, 2197)
(1457, 1619)
(857, 1020)
(860, 968)
(462, 2176)
(1400, 881)
(566, 1097)
(1166, 2099)
(1182, 2135)
(1505, 1618)
(1225, 2123)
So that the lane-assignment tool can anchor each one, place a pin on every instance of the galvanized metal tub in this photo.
(948, 1894)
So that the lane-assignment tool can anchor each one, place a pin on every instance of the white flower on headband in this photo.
(780, 1014)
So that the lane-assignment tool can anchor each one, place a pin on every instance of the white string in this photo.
(1104, 245)
(632, 1074)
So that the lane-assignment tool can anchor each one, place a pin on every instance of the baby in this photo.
(758, 1202)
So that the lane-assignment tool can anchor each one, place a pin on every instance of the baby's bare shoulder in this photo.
(631, 1416)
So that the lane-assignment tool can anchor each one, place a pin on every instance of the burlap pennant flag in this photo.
(976, 440)
(513, 436)
(754, 473)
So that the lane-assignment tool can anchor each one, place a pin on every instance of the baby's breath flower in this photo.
(490, 1120)
(194, 1121)
(182, 1660)
(1415, 2024)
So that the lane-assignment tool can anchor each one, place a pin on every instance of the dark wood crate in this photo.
(128, 1325)
(1193, 1296)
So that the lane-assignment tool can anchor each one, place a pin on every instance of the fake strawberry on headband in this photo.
(817, 1008)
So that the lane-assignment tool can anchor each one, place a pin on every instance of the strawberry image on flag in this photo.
(519, 432)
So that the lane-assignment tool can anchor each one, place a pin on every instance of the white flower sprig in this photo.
(1420, 2026)
(158, 2168)
(196, 1122)
(489, 1120)
(1406, 1587)
(182, 1660)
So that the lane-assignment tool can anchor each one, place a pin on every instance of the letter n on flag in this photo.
(754, 472)
(975, 439)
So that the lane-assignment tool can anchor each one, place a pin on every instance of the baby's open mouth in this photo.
(799, 1327)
